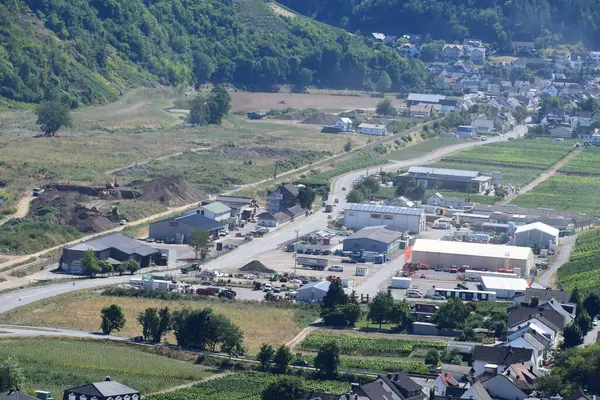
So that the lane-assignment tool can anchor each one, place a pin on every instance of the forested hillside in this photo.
(493, 21)
(89, 50)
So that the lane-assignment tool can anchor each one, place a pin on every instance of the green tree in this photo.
(380, 308)
(219, 103)
(400, 189)
(149, 320)
(53, 115)
(89, 263)
(335, 296)
(399, 313)
(432, 358)
(385, 107)
(520, 113)
(106, 267)
(198, 111)
(113, 319)
(165, 324)
(204, 67)
(384, 83)
(265, 355)
(200, 241)
(592, 304)
(284, 388)
(355, 196)
(351, 313)
(327, 360)
(306, 197)
(348, 146)
(429, 52)
(131, 266)
(552, 102)
(584, 322)
(451, 314)
(12, 375)
(233, 341)
(282, 358)
(572, 336)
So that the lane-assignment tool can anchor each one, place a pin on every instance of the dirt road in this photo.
(22, 208)
(195, 150)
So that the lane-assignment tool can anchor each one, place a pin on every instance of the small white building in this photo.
(344, 125)
(314, 291)
(505, 288)
(358, 216)
(373, 129)
(216, 211)
(536, 234)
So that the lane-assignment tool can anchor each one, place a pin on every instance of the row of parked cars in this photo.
(315, 252)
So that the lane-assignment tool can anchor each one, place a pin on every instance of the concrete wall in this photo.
(361, 219)
(371, 245)
(448, 260)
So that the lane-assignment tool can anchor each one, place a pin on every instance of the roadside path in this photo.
(195, 150)
(562, 257)
(545, 175)
(300, 337)
(22, 208)
(188, 385)
(33, 331)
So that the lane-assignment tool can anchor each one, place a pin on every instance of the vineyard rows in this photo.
(245, 386)
(583, 270)
(585, 164)
(364, 346)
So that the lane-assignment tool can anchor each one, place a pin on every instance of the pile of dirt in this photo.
(171, 191)
(256, 267)
(324, 119)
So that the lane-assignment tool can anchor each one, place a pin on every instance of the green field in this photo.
(358, 161)
(477, 198)
(422, 148)
(518, 161)
(57, 364)
(369, 346)
(584, 164)
(244, 386)
(583, 269)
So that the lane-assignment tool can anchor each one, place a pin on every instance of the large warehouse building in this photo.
(358, 216)
(439, 253)
(374, 238)
(505, 288)
(443, 178)
(537, 235)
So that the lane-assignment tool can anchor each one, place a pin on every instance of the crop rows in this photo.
(586, 163)
(583, 269)
(364, 346)
(245, 386)
(360, 161)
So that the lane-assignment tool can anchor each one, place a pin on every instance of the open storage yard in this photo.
(519, 161)
(81, 311)
(58, 364)
(575, 188)
(583, 269)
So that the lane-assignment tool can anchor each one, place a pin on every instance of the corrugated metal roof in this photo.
(472, 249)
(429, 98)
(217, 208)
(116, 241)
(493, 283)
(443, 171)
(538, 226)
(384, 209)
(320, 285)
(377, 233)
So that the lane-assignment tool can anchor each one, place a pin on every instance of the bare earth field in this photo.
(266, 101)
(81, 311)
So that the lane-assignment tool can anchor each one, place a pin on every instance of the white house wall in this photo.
(362, 219)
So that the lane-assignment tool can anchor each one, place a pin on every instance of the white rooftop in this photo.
(371, 126)
(492, 283)
(473, 249)
(538, 226)
(384, 209)
(346, 120)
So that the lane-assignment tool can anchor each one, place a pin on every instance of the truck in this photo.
(400, 283)
(191, 268)
(227, 294)
(314, 263)
(209, 291)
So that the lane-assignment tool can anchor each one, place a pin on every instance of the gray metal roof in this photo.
(443, 171)
(384, 209)
(319, 285)
(115, 241)
(103, 389)
(200, 221)
(378, 234)
(429, 98)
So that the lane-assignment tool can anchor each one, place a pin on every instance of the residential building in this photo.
(409, 50)
(446, 385)
(13, 395)
(422, 110)
(114, 248)
(519, 45)
(312, 292)
(561, 131)
(373, 129)
(396, 386)
(534, 341)
(536, 235)
(459, 372)
(416, 98)
(358, 216)
(439, 200)
(272, 220)
(443, 178)
(466, 131)
(595, 57)
(552, 317)
(500, 357)
(483, 124)
(476, 392)
(477, 54)
(282, 198)
(179, 229)
(344, 125)
(379, 239)
(503, 386)
(216, 211)
(544, 295)
(452, 52)
(107, 390)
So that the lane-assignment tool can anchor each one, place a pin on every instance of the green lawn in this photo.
(422, 148)
(57, 364)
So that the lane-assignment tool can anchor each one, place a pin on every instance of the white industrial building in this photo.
(314, 291)
(358, 216)
(537, 234)
(505, 287)
(439, 253)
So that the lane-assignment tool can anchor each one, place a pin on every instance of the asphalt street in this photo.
(247, 252)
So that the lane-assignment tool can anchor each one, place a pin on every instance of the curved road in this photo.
(248, 251)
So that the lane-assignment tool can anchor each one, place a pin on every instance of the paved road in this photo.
(31, 331)
(592, 335)
(247, 252)
(562, 257)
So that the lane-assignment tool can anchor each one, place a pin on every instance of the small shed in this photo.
(537, 235)
(314, 291)
(424, 328)
(363, 270)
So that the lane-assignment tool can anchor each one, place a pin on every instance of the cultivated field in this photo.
(519, 161)
(422, 148)
(583, 269)
(57, 364)
(81, 310)
(585, 164)
(266, 101)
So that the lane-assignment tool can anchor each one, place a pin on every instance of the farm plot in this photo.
(584, 164)
(368, 346)
(246, 386)
(421, 148)
(564, 193)
(583, 269)
(57, 364)
(519, 161)
(359, 161)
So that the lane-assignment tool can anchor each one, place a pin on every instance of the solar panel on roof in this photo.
(443, 171)
(384, 209)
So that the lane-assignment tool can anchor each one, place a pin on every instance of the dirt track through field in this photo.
(22, 209)
(547, 174)
(195, 150)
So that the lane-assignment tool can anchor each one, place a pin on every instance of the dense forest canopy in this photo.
(87, 51)
(493, 21)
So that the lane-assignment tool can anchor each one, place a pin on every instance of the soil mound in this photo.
(321, 119)
(171, 191)
(257, 267)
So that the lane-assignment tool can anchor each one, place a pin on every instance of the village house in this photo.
(452, 52)
(483, 124)
(409, 50)
(282, 198)
(373, 129)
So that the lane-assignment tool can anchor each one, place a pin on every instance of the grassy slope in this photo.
(421, 148)
(57, 364)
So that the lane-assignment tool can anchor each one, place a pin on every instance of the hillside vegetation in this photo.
(583, 269)
(88, 51)
(573, 21)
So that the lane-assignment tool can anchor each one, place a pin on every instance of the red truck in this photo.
(209, 291)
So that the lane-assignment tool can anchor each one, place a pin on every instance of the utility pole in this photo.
(275, 174)
(295, 252)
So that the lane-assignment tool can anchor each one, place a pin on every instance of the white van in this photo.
(414, 293)
(336, 268)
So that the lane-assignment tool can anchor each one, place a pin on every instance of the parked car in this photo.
(595, 322)
(308, 251)
(423, 276)
(336, 268)
(301, 363)
(343, 187)
(326, 252)
(317, 252)
(437, 297)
